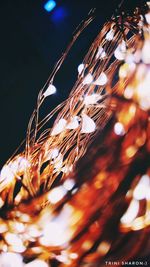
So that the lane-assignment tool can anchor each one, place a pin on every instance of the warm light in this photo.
(50, 90)
(80, 68)
(131, 151)
(110, 35)
(73, 124)
(141, 190)
(101, 80)
(10, 259)
(103, 248)
(37, 263)
(69, 184)
(131, 212)
(15, 242)
(88, 79)
(88, 125)
(120, 51)
(128, 93)
(119, 128)
(101, 53)
(56, 194)
(145, 52)
(59, 127)
(91, 99)
(55, 153)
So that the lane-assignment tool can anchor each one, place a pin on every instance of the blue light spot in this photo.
(50, 5)
(59, 14)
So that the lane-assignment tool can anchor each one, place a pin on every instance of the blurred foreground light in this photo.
(37, 263)
(50, 5)
(59, 14)
(10, 260)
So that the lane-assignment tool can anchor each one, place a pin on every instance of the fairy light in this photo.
(91, 99)
(73, 124)
(9, 259)
(37, 263)
(147, 16)
(81, 68)
(88, 79)
(103, 248)
(6, 175)
(120, 51)
(58, 162)
(101, 53)
(51, 224)
(69, 184)
(128, 93)
(59, 127)
(145, 52)
(88, 125)
(15, 242)
(56, 194)
(101, 80)
(119, 128)
(50, 90)
(54, 153)
(110, 35)
(140, 191)
(131, 213)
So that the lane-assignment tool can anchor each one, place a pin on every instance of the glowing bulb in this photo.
(73, 124)
(120, 51)
(140, 191)
(131, 212)
(1, 202)
(110, 35)
(55, 153)
(69, 184)
(88, 79)
(59, 127)
(37, 263)
(101, 53)
(102, 79)
(80, 68)
(103, 248)
(50, 90)
(128, 93)
(15, 242)
(58, 162)
(91, 99)
(10, 259)
(147, 16)
(6, 174)
(54, 234)
(88, 125)
(56, 194)
(145, 52)
(119, 129)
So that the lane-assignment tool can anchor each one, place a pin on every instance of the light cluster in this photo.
(97, 153)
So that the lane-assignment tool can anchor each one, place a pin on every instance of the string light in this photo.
(64, 209)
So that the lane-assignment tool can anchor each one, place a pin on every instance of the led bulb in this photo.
(101, 80)
(50, 90)
(59, 127)
(73, 124)
(110, 35)
(88, 79)
(91, 99)
(88, 125)
(80, 68)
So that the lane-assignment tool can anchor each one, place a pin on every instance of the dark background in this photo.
(31, 41)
